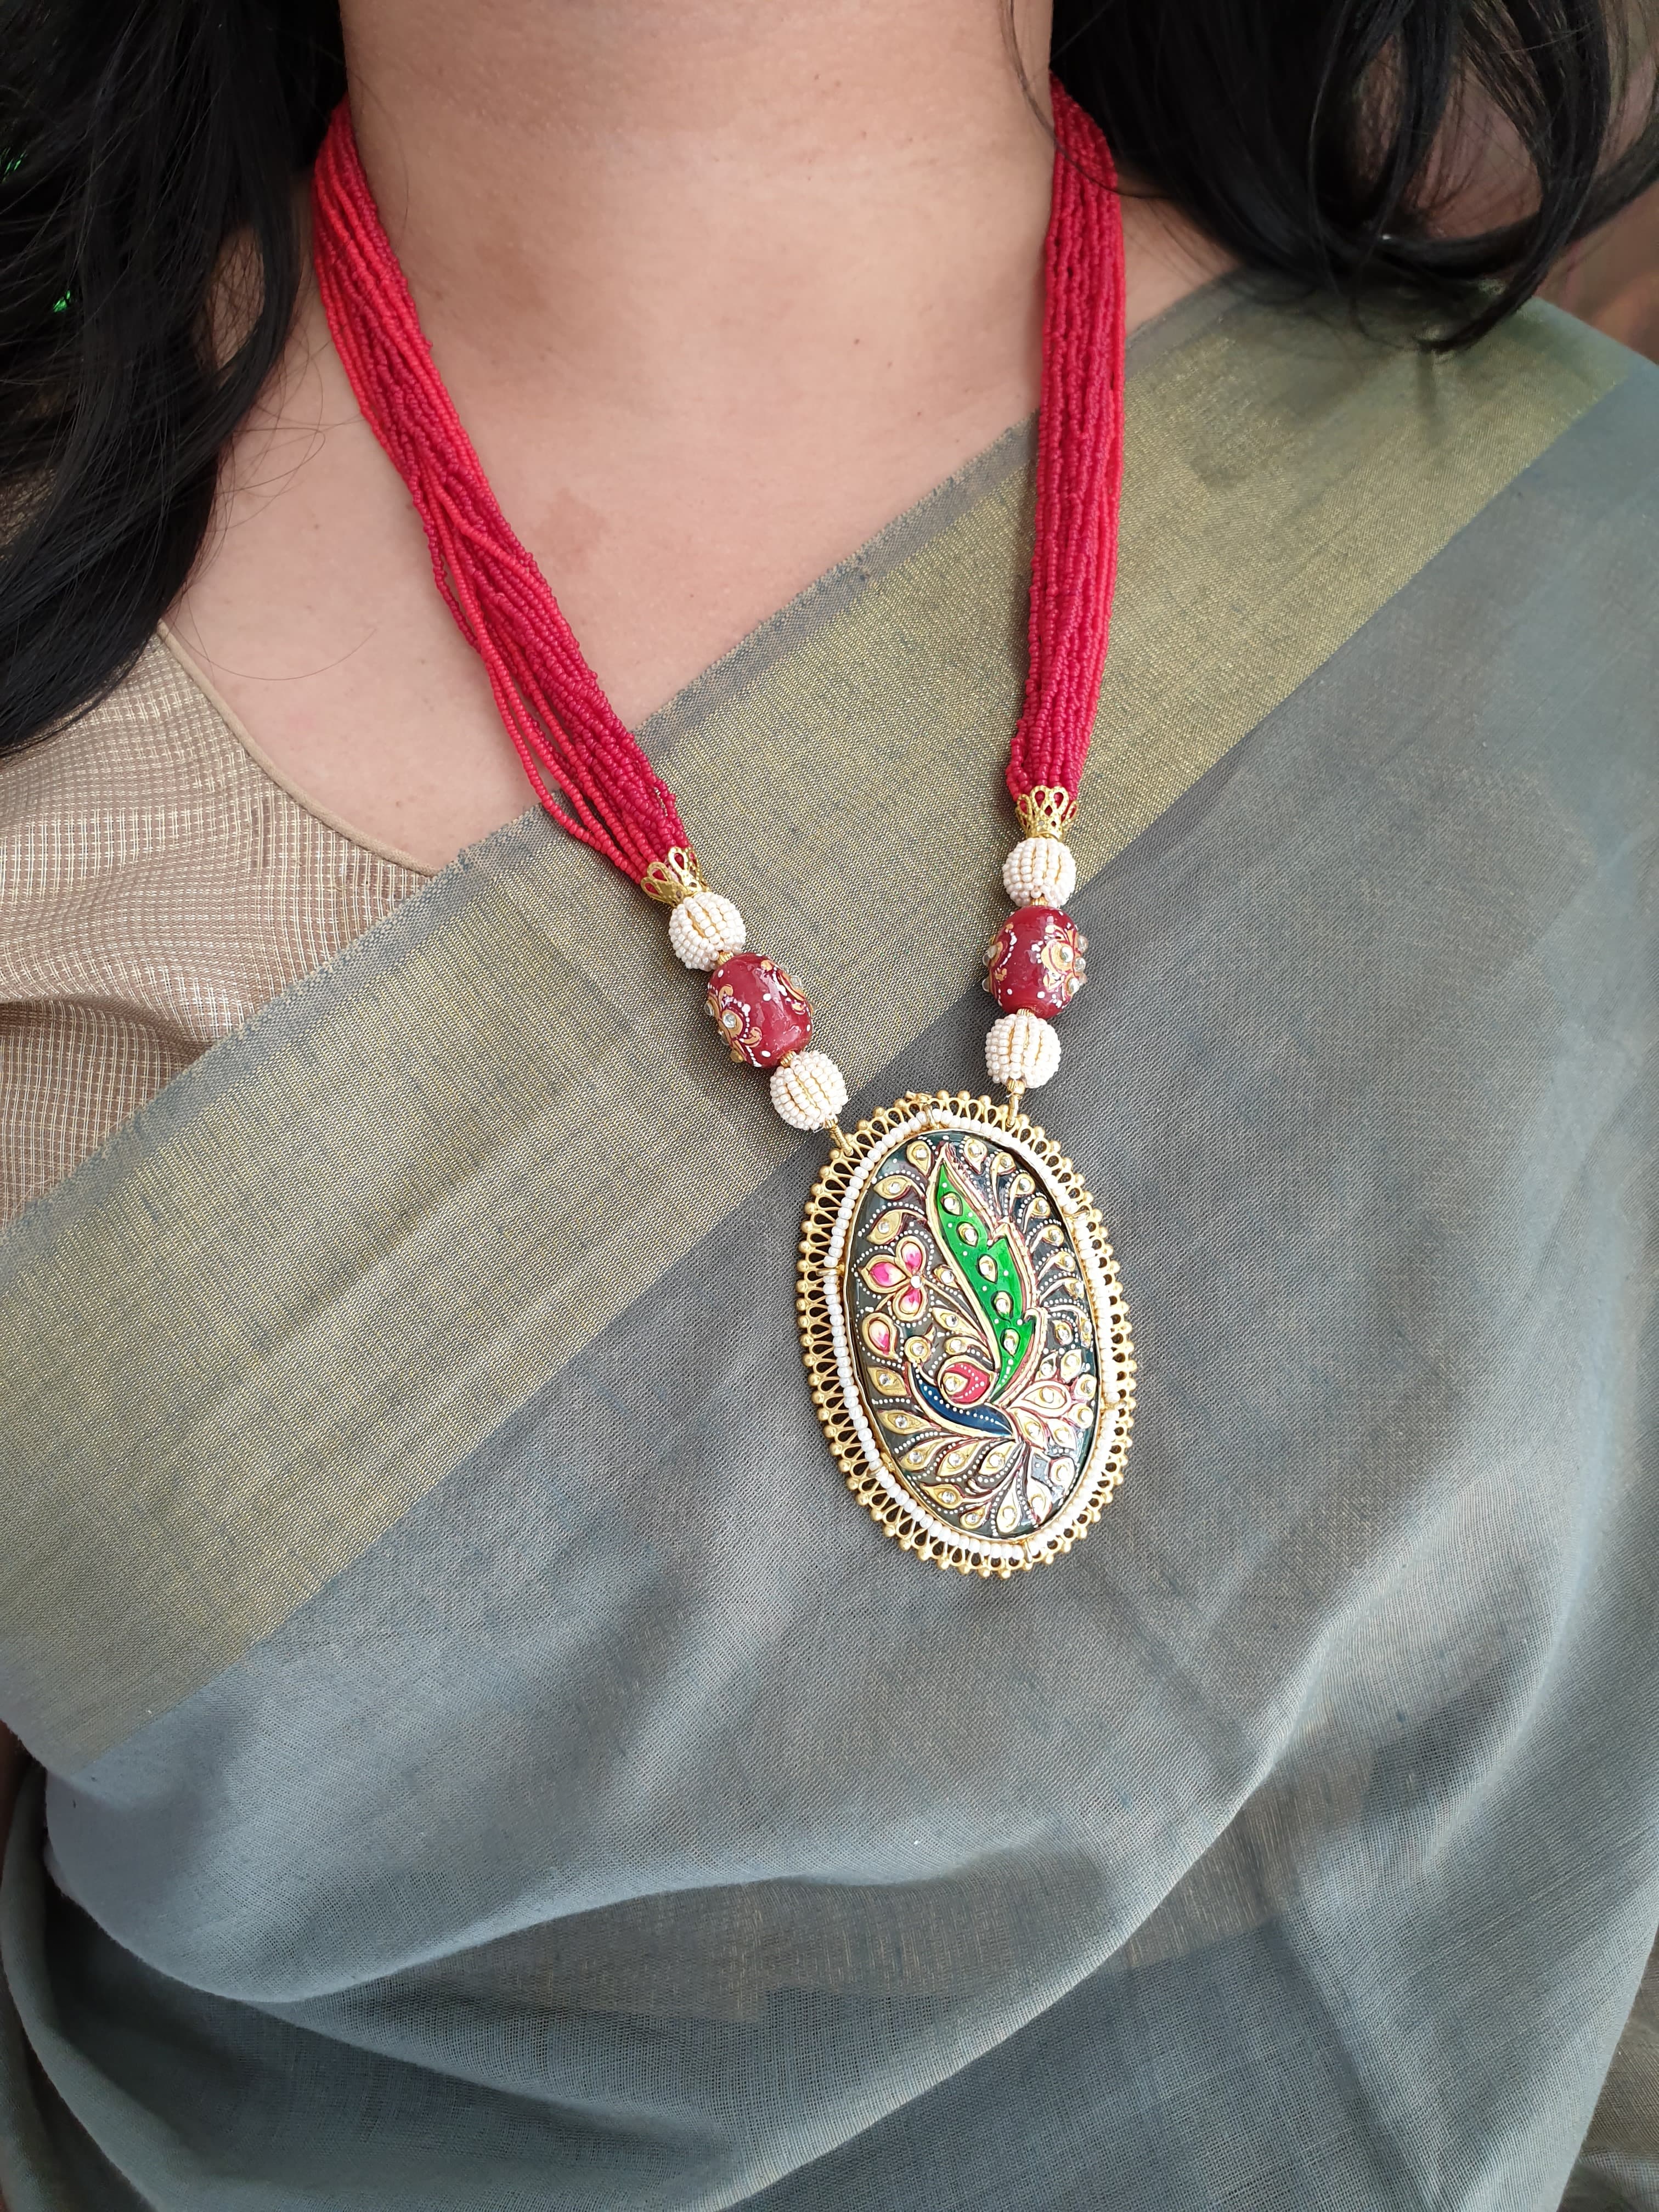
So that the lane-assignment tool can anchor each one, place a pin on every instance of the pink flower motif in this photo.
(963, 1382)
(880, 1334)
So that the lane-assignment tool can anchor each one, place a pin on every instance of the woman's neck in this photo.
(718, 287)
(688, 207)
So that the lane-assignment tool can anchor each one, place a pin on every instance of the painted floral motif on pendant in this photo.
(974, 1338)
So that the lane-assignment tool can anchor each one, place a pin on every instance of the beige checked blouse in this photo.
(159, 881)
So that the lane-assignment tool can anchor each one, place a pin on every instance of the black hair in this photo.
(143, 142)
(1318, 139)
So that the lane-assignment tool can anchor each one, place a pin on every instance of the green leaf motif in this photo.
(986, 1266)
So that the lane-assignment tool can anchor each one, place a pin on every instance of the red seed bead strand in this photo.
(1080, 462)
(566, 731)
(586, 766)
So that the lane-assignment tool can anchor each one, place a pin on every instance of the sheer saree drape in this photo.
(490, 1761)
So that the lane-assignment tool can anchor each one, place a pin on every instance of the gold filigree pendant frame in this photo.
(853, 1421)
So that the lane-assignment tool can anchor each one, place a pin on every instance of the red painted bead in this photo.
(1035, 962)
(758, 1010)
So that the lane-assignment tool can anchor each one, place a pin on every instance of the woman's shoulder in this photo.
(1352, 396)
(1296, 480)
(1558, 393)
(157, 884)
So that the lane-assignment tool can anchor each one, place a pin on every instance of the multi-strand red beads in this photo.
(588, 769)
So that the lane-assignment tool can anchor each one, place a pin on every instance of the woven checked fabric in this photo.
(157, 886)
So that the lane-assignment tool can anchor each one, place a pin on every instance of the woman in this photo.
(481, 1754)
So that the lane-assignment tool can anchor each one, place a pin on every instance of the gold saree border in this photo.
(291, 1297)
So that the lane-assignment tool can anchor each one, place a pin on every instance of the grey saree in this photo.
(488, 1759)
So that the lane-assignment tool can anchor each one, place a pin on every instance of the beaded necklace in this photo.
(961, 1320)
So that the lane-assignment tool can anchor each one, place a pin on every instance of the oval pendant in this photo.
(965, 1334)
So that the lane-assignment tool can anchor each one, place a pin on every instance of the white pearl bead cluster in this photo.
(1039, 871)
(706, 929)
(1023, 1048)
(808, 1089)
